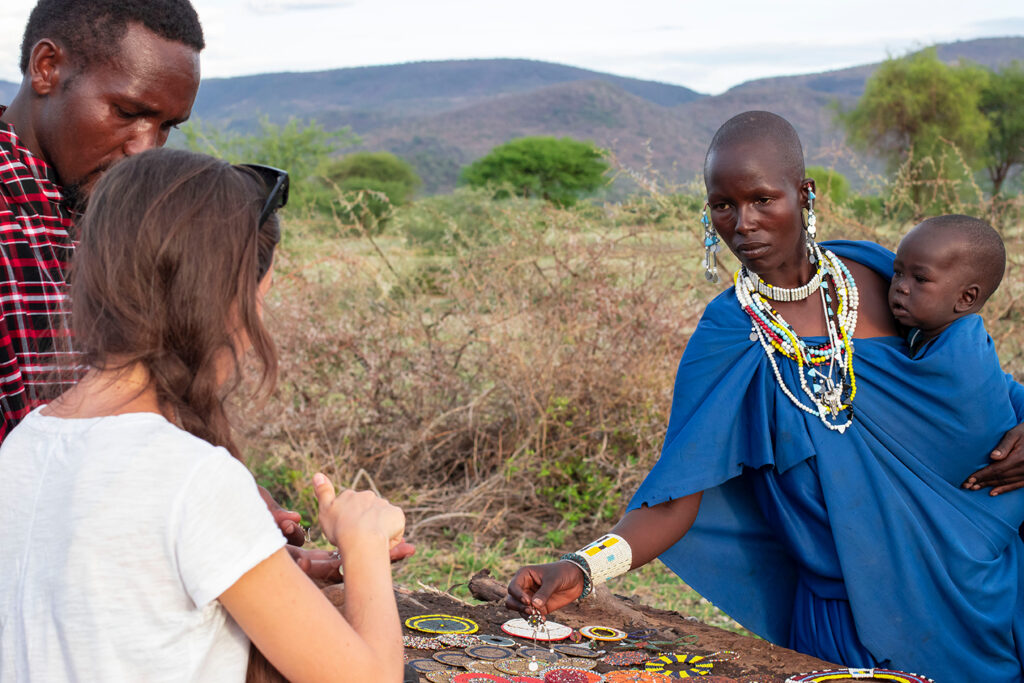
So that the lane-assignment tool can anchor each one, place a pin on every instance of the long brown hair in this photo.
(166, 275)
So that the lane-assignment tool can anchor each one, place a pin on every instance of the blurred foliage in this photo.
(303, 148)
(1002, 103)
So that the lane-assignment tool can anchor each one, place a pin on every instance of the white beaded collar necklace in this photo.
(782, 293)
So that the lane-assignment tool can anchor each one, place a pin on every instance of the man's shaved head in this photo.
(762, 128)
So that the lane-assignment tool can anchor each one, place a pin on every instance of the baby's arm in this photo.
(298, 629)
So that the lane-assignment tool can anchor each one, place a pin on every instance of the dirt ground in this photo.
(758, 660)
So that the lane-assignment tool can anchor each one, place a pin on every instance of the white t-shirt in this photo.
(117, 535)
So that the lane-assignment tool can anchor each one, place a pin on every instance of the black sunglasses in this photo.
(276, 181)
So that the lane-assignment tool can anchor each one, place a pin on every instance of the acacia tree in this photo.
(1002, 103)
(916, 103)
(558, 170)
(379, 171)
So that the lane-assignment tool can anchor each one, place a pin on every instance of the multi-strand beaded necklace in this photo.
(826, 369)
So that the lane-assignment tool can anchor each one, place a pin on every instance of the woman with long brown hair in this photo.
(176, 255)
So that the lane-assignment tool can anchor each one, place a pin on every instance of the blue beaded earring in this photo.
(712, 245)
(811, 229)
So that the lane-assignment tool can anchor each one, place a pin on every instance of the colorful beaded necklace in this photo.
(825, 369)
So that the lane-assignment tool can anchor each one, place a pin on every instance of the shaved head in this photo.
(982, 256)
(766, 129)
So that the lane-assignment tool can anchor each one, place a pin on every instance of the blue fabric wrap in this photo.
(860, 548)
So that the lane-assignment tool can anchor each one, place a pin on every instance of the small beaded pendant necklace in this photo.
(826, 369)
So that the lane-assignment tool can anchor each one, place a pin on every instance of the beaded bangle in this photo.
(607, 557)
(581, 562)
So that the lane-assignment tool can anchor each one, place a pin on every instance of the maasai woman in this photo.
(809, 483)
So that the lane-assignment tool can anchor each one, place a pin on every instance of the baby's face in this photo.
(927, 282)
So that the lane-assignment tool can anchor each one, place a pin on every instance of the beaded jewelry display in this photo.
(489, 652)
(441, 676)
(603, 633)
(826, 369)
(577, 651)
(500, 641)
(712, 245)
(458, 640)
(548, 631)
(423, 643)
(626, 658)
(635, 676)
(426, 665)
(859, 674)
(570, 675)
(479, 678)
(526, 679)
(453, 658)
(692, 666)
(539, 653)
(442, 623)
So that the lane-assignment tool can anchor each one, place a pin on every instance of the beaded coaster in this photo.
(453, 658)
(547, 631)
(442, 623)
(427, 665)
(482, 666)
(561, 675)
(577, 651)
(603, 633)
(689, 666)
(635, 676)
(500, 641)
(440, 676)
(458, 640)
(423, 643)
(490, 652)
(859, 674)
(518, 666)
(479, 678)
(626, 658)
(577, 663)
(540, 653)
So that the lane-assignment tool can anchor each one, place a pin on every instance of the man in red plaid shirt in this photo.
(102, 80)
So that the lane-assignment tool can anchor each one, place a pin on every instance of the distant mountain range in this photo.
(442, 115)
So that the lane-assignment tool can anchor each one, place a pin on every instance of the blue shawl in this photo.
(860, 548)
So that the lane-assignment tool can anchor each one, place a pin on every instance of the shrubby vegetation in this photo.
(560, 170)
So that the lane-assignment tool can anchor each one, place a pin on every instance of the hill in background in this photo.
(442, 115)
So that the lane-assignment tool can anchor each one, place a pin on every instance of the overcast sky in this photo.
(705, 45)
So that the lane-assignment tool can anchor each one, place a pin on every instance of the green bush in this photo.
(558, 170)
(830, 183)
(378, 171)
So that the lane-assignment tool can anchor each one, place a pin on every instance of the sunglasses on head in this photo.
(276, 182)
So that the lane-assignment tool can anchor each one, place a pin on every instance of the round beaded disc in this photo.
(625, 658)
(577, 651)
(603, 633)
(478, 678)
(453, 658)
(482, 666)
(550, 630)
(635, 676)
(442, 623)
(517, 666)
(568, 675)
(440, 676)
(490, 652)
(427, 665)
(540, 653)
(577, 663)
(500, 641)
(682, 666)
(859, 674)
(458, 640)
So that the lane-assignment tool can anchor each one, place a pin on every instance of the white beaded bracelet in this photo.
(607, 557)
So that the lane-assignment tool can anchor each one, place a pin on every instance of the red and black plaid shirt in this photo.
(35, 251)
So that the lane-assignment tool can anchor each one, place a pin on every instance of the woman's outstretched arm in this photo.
(298, 629)
(650, 531)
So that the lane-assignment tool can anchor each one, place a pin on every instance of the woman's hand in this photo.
(1006, 473)
(351, 517)
(544, 588)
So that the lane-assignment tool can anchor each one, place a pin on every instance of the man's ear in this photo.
(967, 299)
(47, 65)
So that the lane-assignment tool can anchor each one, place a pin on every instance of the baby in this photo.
(946, 267)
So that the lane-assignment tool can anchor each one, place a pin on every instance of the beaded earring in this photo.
(811, 229)
(712, 245)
